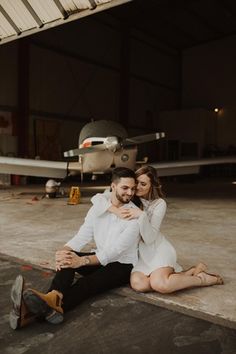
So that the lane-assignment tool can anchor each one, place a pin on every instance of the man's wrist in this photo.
(85, 260)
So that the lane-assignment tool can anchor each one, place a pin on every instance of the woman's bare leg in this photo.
(140, 282)
(164, 280)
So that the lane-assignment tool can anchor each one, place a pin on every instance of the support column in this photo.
(124, 76)
(23, 97)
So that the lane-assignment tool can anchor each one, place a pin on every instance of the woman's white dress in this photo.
(155, 251)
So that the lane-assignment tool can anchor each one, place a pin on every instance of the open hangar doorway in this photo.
(150, 65)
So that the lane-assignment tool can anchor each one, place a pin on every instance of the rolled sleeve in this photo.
(102, 257)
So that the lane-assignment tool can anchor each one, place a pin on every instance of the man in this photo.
(108, 267)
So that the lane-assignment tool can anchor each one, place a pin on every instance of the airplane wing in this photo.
(38, 168)
(59, 169)
(189, 167)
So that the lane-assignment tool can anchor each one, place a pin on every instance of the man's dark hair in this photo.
(120, 172)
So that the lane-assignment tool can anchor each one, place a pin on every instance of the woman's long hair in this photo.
(156, 188)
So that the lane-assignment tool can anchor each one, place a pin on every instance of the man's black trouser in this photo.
(95, 280)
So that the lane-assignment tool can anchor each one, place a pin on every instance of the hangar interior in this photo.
(151, 65)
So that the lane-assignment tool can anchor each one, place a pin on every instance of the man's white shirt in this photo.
(116, 239)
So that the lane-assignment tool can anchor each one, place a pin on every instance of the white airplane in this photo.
(103, 145)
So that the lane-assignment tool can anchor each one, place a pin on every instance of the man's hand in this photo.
(67, 259)
(62, 257)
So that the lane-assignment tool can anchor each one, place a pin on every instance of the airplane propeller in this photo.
(113, 144)
(142, 139)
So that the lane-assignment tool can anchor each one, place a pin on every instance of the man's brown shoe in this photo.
(53, 299)
(47, 306)
(19, 315)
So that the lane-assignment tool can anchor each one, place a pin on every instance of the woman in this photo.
(157, 268)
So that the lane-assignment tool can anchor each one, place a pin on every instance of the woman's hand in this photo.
(117, 211)
(130, 213)
(125, 213)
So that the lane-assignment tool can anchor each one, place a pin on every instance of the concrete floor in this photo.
(107, 324)
(200, 222)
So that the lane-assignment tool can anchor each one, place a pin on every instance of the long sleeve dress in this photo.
(155, 251)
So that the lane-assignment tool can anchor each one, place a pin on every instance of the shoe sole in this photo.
(40, 308)
(55, 317)
(16, 298)
(35, 305)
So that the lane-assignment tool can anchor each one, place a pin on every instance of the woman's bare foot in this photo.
(195, 270)
(200, 267)
(208, 279)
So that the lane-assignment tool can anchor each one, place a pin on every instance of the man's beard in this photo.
(126, 199)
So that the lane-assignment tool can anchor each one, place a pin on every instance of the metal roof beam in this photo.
(167, 52)
(211, 40)
(52, 18)
(10, 21)
(61, 9)
(152, 14)
(33, 13)
(202, 20)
